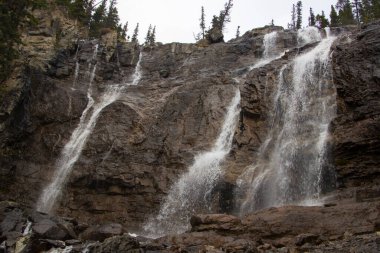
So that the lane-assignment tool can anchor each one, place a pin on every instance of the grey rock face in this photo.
(356, 138)
(150, 135)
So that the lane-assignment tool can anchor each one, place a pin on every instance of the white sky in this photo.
(177, 20)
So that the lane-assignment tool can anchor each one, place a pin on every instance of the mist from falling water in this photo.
(289, 165)
(192, 192)
(78, 139)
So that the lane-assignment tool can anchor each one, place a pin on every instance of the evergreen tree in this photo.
(135, 34)
(80, 10)
(152, 39)
(124, 31)
(238, 32)
(112, 19)
(311, 18)
(299, 15)
(77, 10)
(334, 19)
(215, 22)
(202, 23)
(375, 6)
(322, 20)
(292, 25)
(98, 19)
(345, 15)
(148, 36)
(218, 23)
(225, 15)
(366, 11)
(357, 6)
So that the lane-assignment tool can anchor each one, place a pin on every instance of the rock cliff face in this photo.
(142, 142)
(357, 79)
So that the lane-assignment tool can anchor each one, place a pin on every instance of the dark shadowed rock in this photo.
(122, 244)
(47, 228)
(355, 130)
(215, 35)
(215, 222)
(102, 232)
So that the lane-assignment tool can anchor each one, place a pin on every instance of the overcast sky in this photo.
(178, 20)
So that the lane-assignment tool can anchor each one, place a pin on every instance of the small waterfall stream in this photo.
(73, 148)
(270, 53)
(289, 164)
(192, 192)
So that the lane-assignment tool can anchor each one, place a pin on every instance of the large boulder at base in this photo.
(102, 232)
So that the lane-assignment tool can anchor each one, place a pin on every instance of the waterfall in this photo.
(269, 54)
(308, 35)
(289, 165)
(77, 66)
(192, 192)
(28, 228)
(270, 40)
(75, 145)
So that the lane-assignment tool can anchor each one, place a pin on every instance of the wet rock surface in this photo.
(150, 135)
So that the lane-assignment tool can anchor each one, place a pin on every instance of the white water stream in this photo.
(270, 53)
(192, 192)
(289, 164)
(73, 148)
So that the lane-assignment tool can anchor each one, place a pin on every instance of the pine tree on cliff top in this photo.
(346, 17)
(202, 23)
(147, 38)
(112, 19)
(238, 32)
(150, 39)
(334, 19)
(135, 34)
(292, 24)
(299, 15)
(225, 15)
(218, 23)
(311, 18)
(124, 31)
(97, 21)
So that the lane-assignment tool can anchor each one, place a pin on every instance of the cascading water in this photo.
(270, 53)
(192, 192)
(308, 35)
(269, 42)
(75, 145)
(28, 228)
(289, 164)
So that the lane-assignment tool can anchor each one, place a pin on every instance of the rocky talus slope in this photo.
(142, 143)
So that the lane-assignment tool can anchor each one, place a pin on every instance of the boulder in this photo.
(102, 232)
(215, 35)
(46, 228)
(49, 227)
(123, 244)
